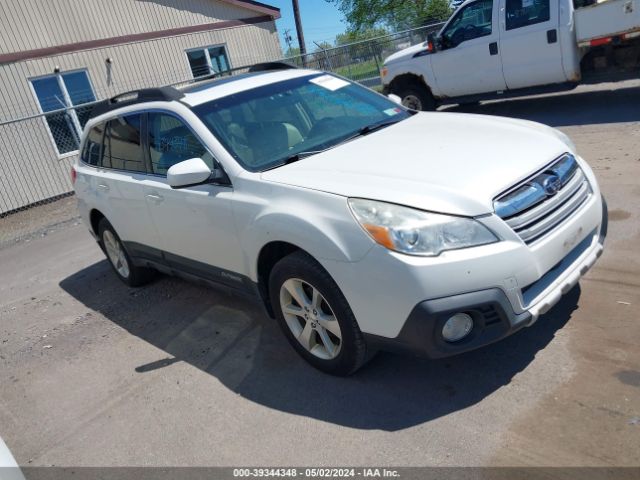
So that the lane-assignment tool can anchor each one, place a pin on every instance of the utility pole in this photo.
(296, 14)
(288, 39)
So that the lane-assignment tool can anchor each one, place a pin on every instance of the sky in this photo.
(321, 21)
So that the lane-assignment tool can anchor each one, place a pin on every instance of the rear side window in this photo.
(171, 142)
(522, 13)
(122, 144)
(93, 146)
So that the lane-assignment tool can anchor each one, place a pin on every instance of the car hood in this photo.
(442, 162)
(406, 54)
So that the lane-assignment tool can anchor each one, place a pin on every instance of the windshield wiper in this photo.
(375, 126)
(362, 131)
(299, 156)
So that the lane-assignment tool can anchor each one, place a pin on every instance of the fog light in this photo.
(457, 327)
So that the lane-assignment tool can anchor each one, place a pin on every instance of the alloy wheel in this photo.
(310, 319)
(115, 252)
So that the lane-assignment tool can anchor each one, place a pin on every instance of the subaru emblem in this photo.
(551, 184)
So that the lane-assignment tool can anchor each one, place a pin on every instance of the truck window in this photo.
(472, 21)
(522, 13)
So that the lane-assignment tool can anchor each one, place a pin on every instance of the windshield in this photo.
(268, 126)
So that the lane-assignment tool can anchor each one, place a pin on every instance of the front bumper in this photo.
(492, 311)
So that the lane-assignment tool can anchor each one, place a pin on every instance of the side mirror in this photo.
(434, 42)
(395, 98)
(187, 173)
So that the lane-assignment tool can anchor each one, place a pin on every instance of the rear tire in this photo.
(415, 96)
(119, 259)
(315, 316)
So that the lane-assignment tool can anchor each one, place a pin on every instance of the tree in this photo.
(397, 14)
(292, 52)
(323, 46)
(352, 36)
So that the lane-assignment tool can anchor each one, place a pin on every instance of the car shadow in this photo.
(232, 339)
(571, 108)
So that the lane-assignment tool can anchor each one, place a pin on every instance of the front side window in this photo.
(63, 90)
(204, 61)
(522, 13)
(264, 127)
(472, 21)
(122, 144)
(171, 142)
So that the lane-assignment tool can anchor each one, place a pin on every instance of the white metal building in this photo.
(60, 53)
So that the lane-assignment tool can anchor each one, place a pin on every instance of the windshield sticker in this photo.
(392, 111)
(329, 82)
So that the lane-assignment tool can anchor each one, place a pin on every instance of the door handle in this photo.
(103, 187)
(493, 48)
(155, 197)
(552, 36)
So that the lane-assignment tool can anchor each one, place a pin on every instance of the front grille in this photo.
(536, 206)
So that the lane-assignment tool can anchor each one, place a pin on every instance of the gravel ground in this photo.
(97, 374)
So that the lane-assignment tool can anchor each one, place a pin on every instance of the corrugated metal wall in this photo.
(43, 23)
(30, 169)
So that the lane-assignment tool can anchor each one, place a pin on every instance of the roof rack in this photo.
(162, 94)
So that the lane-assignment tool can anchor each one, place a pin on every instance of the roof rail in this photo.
(267, 66)
(162, 94)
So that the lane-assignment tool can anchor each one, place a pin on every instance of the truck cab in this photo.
(492, 48)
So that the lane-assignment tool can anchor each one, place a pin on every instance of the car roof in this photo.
(196, 93)
(206, 91)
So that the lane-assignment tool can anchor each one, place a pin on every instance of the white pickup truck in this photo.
(503, 48)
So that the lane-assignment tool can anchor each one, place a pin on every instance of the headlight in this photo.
(415, 232)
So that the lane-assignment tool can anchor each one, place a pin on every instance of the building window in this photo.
(62, 90)
(207, 60)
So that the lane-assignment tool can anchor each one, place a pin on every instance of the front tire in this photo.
(119, 259)
(315, 317)
(415, 96)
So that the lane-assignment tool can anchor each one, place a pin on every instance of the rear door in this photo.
(530, 43)
(469, 61)
(119, 184)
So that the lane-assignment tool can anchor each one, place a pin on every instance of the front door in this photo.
(469, 60)
(195, 224)
(530, 43)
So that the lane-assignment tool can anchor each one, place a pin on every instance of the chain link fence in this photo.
(362, 61)
(38, 150)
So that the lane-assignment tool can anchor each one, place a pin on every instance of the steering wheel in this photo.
(323, 125)
(471, 31)
(457, 37)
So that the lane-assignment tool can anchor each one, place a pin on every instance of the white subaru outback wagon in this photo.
(359, 224)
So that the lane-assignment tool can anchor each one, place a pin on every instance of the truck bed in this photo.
(610, 18)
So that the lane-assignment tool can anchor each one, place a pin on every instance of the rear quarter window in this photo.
(92, 152)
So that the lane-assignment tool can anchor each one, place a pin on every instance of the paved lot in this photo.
(94, 373)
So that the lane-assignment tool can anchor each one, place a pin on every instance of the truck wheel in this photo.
(415, 96)
(314, 315)
(119, 258)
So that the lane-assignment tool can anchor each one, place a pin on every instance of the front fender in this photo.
(319, 223)
(419, 67)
